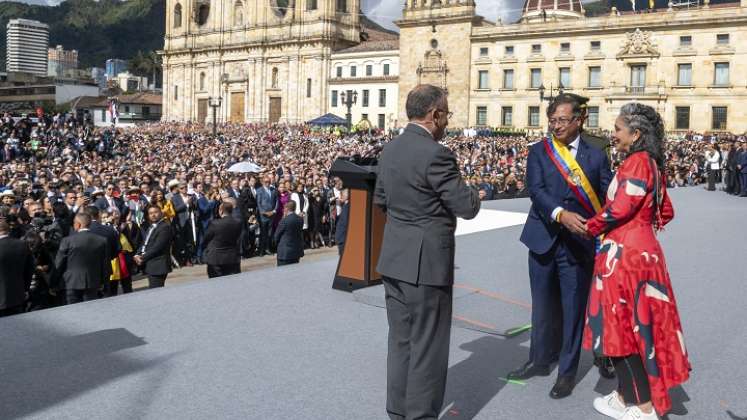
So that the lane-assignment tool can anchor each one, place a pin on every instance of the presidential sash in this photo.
(573, 175)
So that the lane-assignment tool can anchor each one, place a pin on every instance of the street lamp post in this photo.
(215, 104)
(551, 97)
(349, 99)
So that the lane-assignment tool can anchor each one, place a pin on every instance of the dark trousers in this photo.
(112, 287)
(265, 231)
(711, 180)
(288, 262)
(560, 289)
(632, 379)
(11, 311)
(248, 240)
(418, 356)
(743, 184)
(156, 281)
(341, 248)
(81, 295)
(223, 270)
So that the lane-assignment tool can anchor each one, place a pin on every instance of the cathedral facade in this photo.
(267, 60)
(273, 61)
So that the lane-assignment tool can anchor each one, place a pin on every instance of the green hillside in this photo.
(99, 30)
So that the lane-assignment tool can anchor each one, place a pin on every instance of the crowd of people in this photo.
(58, 168)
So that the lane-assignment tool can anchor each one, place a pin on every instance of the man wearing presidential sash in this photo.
(567, 179)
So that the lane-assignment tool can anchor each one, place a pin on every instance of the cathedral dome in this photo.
(542, 10)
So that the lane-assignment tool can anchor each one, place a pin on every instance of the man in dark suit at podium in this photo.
(422, 192)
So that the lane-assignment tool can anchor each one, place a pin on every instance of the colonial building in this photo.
(261, 57)
(689, 64)
(285, 60)
(367, 72)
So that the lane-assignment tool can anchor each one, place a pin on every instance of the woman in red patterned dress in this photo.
(632, 314)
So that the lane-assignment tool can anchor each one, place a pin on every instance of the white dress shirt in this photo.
(574, 151)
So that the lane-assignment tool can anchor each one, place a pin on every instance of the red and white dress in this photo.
(632, 309)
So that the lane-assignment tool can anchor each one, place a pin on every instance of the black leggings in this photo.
(632, 378)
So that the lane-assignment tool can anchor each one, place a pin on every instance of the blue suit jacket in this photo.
(266, 201)
(742, 160)
(548, 190)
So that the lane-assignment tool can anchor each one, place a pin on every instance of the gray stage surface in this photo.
(280, 344)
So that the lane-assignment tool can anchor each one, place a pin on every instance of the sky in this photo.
(384, 12)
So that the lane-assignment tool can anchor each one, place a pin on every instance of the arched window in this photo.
(203, 12)
(178, 16)
(311, 5)
(238, 14)
(202, 81)
(342, 6)
(274, 77)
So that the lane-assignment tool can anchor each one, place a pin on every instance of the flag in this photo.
(651, 4)
(632, 2)
(113, 112)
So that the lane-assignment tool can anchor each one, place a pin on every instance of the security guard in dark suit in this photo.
(83, 260)
(154, 255)
(222, 243)
(421, 190)
(289, 236)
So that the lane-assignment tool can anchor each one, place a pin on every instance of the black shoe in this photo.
(563, 387)
(529, 370)
(606, 369)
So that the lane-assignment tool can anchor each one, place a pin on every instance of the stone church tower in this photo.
(268, 60)
(437, 51)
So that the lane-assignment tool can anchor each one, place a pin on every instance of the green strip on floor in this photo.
(513, 381)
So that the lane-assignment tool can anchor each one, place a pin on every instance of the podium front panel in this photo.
(353, 259)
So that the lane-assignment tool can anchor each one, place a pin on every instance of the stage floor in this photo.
(281, 344)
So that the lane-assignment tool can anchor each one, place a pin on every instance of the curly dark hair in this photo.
(648, 122)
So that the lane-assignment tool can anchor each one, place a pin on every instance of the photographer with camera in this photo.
(16, 272)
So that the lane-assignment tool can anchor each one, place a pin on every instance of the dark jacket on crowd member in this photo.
(222, 241)
(83, 261)
(341, 231)
(110, 235)
(422, 192)
(157, 252)
(16, 271)
(247, 202)
(103, 204)
(182, 210)
(289, 237)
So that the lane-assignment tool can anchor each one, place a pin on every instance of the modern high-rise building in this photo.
(28, 41)
(99, 76)
(114, 66)
(61, 61)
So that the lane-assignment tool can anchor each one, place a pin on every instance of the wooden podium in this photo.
(357, 265)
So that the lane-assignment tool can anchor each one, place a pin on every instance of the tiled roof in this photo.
(140, 98)
(377, 38)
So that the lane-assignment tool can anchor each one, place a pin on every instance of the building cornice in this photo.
(365, 54)
(359, 80)
(246, 46)
(438, 20)
(710, 19)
